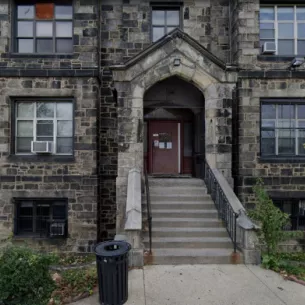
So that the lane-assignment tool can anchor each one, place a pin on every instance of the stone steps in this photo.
(187, 232)
(190, 256)
(185, 224)
(182, 213)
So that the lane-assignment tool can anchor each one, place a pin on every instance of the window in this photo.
(44, 28)
(164, 20)
(41, 217)
(296, 209)
(284, 25)
(283, 128)
(44, 121)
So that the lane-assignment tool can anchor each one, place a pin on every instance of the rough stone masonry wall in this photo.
(282, 179)
(75, 179)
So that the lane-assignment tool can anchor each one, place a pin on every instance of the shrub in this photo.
(25, 277)
(271, 219)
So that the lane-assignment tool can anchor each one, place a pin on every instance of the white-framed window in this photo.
(283, 129)
(285, 26)
(44, 121)
(44, 27)
(164, 20)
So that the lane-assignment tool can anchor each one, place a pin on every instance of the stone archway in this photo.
(176, 55)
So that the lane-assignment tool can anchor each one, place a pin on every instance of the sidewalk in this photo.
(209, 285)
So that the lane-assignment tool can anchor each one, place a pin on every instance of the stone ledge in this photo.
(48, 72)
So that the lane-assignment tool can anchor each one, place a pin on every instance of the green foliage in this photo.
(297, 257)
(271, 262)
(271, 219)
(25, 277)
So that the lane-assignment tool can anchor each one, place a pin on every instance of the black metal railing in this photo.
(149, 216)
(225, 210)
(296, 223)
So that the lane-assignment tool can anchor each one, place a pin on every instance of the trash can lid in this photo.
(112, 248)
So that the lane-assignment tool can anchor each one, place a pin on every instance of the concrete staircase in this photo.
(185, 225)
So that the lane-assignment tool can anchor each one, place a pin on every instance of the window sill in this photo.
(41, 158)
(36, 55)
(292, 159)
(22, 237)
(277, 58)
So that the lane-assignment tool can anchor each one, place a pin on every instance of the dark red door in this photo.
(164, 147)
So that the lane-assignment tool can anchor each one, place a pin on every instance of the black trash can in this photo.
(112, 269)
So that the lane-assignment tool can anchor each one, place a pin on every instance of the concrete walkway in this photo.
(209, 285)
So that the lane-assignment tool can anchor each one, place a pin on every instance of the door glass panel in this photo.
(188, 139)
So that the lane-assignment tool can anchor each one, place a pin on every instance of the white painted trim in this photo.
(179, 148)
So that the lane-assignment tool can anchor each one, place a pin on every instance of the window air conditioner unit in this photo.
(57, 229)
(42, 147)
(269, 48)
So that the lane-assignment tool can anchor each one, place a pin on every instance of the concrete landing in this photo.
(209, 285)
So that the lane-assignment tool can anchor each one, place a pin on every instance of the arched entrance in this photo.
(174, 128)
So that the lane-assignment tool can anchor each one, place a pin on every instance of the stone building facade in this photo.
(122, 51)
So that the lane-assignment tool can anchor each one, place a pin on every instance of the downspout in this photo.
(230, 32)
(98, 157)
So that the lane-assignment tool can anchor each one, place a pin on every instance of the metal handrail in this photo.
(224, 208)
(149, 216)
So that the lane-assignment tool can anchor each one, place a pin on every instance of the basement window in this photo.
(41, 218)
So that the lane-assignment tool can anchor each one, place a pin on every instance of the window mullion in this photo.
(55, 130)
(276, 35)
(296, 128)
(35, 122)
(295, 31)
(276, 131)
